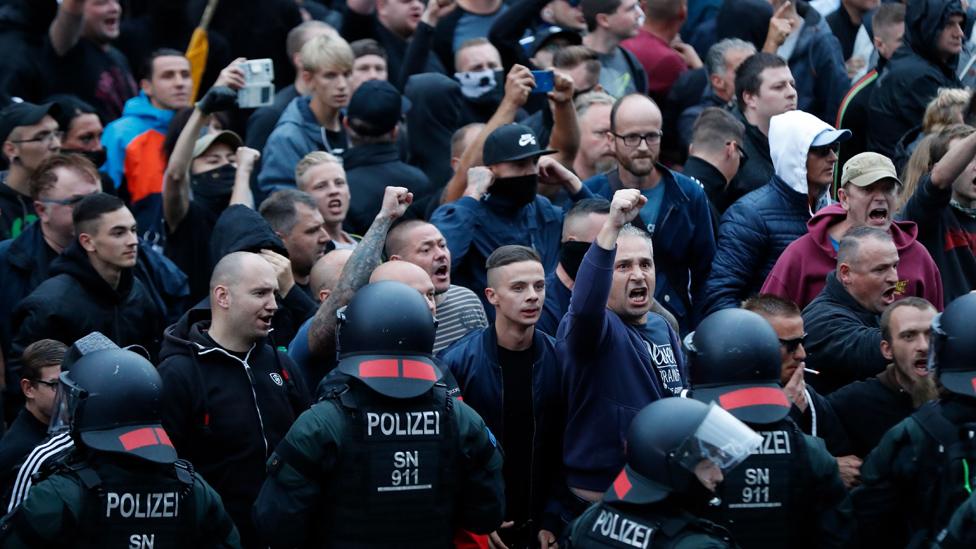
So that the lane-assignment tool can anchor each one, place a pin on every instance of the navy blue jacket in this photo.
(753, 233)
(612, 370)
(473, 360)
(369, 169)
(684, 242)
(475, 228)
(555, 306)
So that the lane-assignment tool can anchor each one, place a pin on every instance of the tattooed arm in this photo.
(355, 275)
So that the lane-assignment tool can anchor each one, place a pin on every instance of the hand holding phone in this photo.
(544, 81)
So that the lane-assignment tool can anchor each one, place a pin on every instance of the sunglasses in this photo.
(792, 344)
(52, 383)
(825, 150)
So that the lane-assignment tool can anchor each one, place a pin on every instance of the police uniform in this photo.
(788, 493)
(923, 468)
(98, 503)
(649, 503)
(121, 485)
(961, 531)
(387, 458)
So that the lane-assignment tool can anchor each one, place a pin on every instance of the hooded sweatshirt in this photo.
(759, 226)
(914, 76)
(801, 272)
(297, 133)
(140, 131)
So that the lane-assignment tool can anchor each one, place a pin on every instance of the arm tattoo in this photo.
(366, 257)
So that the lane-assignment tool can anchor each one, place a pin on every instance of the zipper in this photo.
(254, 394)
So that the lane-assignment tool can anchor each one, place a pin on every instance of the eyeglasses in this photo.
(825, 150)
(792, 344)
(634, 140)
(43, 137)
(743, 156)
(70, 201)
(52, 383)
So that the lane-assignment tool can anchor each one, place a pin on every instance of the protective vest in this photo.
(136, 511)
(394, 483)
(762, 497)
(947, 480)
(607, 526)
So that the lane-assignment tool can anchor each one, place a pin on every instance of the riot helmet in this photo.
(952, 347)
(386, 339)
(668, 439)
(110, 401)
(734, 360)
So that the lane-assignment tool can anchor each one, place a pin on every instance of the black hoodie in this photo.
(914, 75)
(226, 413)
(76, 301)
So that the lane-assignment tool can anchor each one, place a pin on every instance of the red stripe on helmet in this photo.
(163, 437)
(756, 396)
(379, 368)
(415, 369)
(137, 439)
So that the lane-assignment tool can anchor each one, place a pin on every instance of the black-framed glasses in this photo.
(52, 383)
(43, 137)
(792, 344)
(825, 150)
(70, 201)
(634, 140)
(743, 155)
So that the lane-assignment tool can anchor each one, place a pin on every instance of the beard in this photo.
(922, 390)
(645, 168)
(604, 164)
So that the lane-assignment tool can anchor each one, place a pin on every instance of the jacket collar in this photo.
(28, 251)
(370, 155)
(836, 290)
(489, 341)
(672, 191)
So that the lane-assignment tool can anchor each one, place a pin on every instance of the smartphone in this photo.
(544, 81)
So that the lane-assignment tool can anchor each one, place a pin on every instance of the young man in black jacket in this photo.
(228, 396)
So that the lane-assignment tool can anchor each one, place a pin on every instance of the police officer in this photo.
(121, 485)
(387, 458)
(924, 468)
(677, 453)
(789, 492)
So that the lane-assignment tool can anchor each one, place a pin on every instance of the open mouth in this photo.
(334, 204)
(637, 296)
(888, 296)
(441, 272)
(878, 216)
(921, 367)
(265, 321)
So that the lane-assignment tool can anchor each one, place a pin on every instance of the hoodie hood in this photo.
(74, 262)
(790, 136)
(924, 20)
(141, 107)
(744, 19)
(241, 229)
(903, 233)
(185, 337)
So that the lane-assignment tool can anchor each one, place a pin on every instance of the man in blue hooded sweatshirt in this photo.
(618, 356)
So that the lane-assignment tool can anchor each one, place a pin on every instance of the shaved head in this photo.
(409, 274)
(327, 270)
(398, 237)
(230, 267)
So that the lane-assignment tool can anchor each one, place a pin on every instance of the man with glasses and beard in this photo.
(867, 409)
(676, 213)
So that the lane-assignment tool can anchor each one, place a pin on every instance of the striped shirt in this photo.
(459, 313)
(44, 452)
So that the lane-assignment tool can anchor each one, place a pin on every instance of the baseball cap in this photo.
(379, 105)
(223, 136)
(829, 137)
(512, 142)
(532, 44)
(24, 114)
(867, 168)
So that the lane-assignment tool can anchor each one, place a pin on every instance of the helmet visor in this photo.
(936, 342)
(721, 439)
(66, 403)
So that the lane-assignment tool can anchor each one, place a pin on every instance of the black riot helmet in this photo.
(735, 360)
(952, 351)
(386, 338)
(666, 442)
(110, 401)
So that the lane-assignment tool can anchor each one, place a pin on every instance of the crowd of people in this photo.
(488, 273)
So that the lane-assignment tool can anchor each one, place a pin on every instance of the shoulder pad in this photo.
(184, 471)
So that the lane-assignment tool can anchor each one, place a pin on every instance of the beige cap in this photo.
(223, 136)
(868, 168)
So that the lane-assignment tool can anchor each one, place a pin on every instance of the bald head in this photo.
(327, 271)
(409, 274)
(634, 109)
(230, 268)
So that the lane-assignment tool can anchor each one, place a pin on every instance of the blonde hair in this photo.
(326, 52)
(311, 160)
(929, 151)
(945, 110)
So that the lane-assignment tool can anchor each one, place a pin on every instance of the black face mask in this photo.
(212, 189)
(97, 157)
(571, 256)
(512, 193)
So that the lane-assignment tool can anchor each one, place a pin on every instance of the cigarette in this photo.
(809, 371)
